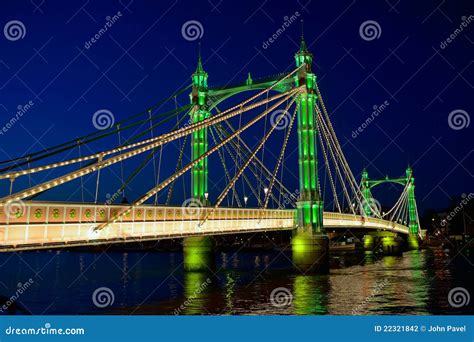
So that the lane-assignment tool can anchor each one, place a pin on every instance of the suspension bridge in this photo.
(254, 197)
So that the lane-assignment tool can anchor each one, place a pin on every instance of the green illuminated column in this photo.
(310, 244)
(199, 144)
(198, 250)
(369, 241)
(366, 193)
(412, 215)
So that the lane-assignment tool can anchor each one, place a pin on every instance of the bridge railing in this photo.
(53, 223)
(50, 223)
(339, 219)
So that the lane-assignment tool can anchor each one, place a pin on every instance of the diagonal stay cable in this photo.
(226, 172)
(85, 139)
(248, 161)
(280, 157)
(167, 181)
(157, 141)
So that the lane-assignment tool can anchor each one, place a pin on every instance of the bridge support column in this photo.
(369, 242)
(413, 223)
(310, 244)
(367, 203)
(198, 252)
(391, 243)
(413, 242)
(310, 252)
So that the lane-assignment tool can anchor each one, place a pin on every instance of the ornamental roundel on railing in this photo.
(139, 213)
(55, 213)
(38, 213)
(115, 213)
(101, 213)
(19, 213)
(72, 213)
(149, 214)
(88, 213)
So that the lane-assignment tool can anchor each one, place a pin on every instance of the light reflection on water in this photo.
(155, 283)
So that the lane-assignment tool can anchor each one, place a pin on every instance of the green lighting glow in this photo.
(367, 184)
(197, 252)
(309, 294)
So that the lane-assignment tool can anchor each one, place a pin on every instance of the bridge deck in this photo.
(50, 224)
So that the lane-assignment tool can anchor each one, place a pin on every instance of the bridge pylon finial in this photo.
(303, 56)
(199, 68)
(303, 47)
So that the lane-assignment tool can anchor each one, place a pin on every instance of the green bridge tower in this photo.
(310, 244)
(198, 250)
(367, 209)
(413, 224)
(390, 242)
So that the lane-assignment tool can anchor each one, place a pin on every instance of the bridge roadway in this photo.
(39, 225)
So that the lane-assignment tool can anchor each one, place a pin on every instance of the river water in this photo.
(242, 282)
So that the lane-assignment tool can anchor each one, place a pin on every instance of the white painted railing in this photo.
(47, 224)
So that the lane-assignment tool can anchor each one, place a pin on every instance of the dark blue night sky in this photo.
(143, 58)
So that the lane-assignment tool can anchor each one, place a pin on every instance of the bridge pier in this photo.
(413, 242)
(369, 242)
(310, 252)
(198, 253)
(391, 243)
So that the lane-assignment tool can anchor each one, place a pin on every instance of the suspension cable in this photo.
(247, 162)
(85, 139)
(280, 157)
(167, 181)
